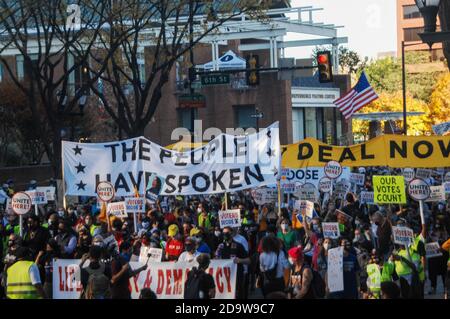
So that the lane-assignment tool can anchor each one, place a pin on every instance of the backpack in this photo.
(317, 284)
(192, 285)
(98, 286)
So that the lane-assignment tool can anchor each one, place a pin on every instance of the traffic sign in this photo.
(215, 79)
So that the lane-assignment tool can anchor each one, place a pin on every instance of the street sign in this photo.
(215, 79)
(191, 101)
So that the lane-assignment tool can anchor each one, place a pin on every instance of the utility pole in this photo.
(191, 55)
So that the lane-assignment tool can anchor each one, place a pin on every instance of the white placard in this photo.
(325, 185)
(335, 271)
(333, 169)
(408, 174)
(447, 187)
(403, 235)
(331, 230)
(118, 209)
(437, 194)
(357, 178)
(433, 250)
(37, 197)
(105, 191)
(263, 196)
(366, 198)
(310, 175)
(305, 206)
(230, 218)
(418, 189)
(21, 203)
(423, 173)
(447, 177)
(308, 192)
(49, 192)
(151, 254)
(135, 204)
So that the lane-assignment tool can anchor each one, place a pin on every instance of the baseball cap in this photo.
(173, 230)
(194, 231)
(296, 253)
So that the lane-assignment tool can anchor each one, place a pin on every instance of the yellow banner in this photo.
(387, 150)
(389, 190)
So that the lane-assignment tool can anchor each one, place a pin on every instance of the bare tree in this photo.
(159, 32)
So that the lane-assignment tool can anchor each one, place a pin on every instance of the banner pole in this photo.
(422, 218)
(226, 201)
(279, 197)
(135, 222)
(36, 210)
(63, 180)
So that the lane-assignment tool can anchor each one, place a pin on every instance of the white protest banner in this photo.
(263, 196)
(357, 179)
(408, 174)
(49, 192)
(228, 163)
(437, 194)
(433, 250)
(118, 209)
(230, 218)
(342, 187)
(37, 197)
(335, 271)
(308, 192)
(333, 169)
(166, 279)
(402, 235)
(366, 198)
(343, 216)
(150, 254)
(331, 230)
(423, 173)
(135, 204)
(21, 203)
(447, 187)
(310, 175)
(305, 206)
(8, 206)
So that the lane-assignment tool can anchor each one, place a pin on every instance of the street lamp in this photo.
(429, 10)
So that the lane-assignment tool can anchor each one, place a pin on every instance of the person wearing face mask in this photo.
(52, 224)
(377, 273)
(383, 235)
(286, 235)
(66, 240)
(13, 224)
(361, 242)
(96, 277)
(205, 220)
(174, 245)
(84, 242)
(301, 276)
(232, 249)
(198, 236)
(190, 252)
(14, 241)
(36, 236)
(89, 223)
(44, 260)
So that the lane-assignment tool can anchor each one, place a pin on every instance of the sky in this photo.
(370, 25)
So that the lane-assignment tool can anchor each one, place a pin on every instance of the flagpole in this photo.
(279, 197)
(63, 179)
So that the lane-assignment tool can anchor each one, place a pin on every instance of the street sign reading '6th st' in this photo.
(215, 79)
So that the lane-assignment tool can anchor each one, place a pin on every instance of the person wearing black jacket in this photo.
(36, 237)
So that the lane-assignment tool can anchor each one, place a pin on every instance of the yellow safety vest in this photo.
(19, 284)
(403, 269)
(374, 278)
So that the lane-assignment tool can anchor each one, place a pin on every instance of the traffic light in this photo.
(325, 68)
(253, 74)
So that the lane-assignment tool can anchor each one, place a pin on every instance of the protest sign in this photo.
(325, 185)
(395, 151)
(135, 204)
(118, 209)
(333, 169)
(308, 192)
(3, 197)
(366, 197)
(342, 187)
(37, 197)
(437, 194)
(227, 163)
(447, 187)
(389, 190)
(21, 203)
(335, 270)
(343, 216)
(402, 235)
(166, 279)
(423, 173)
(263, 196)
(418, 189)
(433, 250)
(447, 177)
(230, 218)
(305, 206)
(105, 191)
(49, 192)
(408, 173)
(8, 206)
(151, 254)
(309, 175)
(442, 128)
(331, 230)
(357, 179)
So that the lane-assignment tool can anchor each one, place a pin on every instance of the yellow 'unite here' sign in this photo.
(389, 190)
(387, 150)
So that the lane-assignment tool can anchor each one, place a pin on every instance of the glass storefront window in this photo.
(298, 128)
(310, 122)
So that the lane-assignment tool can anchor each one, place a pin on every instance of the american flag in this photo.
(361, 95)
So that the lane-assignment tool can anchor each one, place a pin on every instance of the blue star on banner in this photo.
(81, 185)
(80, 168)
(77, 150)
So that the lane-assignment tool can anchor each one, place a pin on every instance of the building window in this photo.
(243, 116)
(298, 127)
(411, 12)
(320, 126)
(1, 71)
(20, 65)
(184, 118)
(141, 65)
(310, 122)
(412, 34)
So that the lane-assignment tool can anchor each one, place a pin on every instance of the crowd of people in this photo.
(280, 253)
